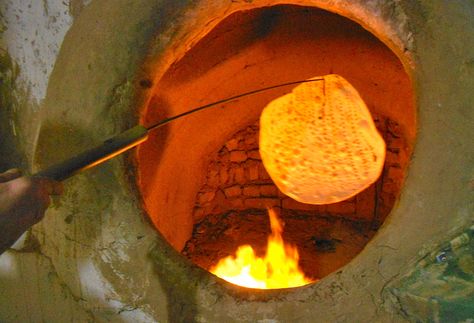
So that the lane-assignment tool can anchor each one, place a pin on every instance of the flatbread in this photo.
(319, 143)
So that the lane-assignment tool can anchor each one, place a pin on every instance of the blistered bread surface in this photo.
(319, 143)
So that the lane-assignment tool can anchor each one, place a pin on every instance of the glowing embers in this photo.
(278, 269)
(319, 143)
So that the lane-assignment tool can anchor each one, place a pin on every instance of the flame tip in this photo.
(278, 269)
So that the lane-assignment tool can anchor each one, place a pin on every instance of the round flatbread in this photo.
(319, 143)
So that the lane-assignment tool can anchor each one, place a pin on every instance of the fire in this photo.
(278, 269)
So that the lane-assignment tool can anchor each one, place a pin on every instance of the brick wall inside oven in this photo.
(236, 180)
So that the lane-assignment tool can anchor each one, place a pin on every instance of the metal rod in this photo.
(213, 104)
(129, 139)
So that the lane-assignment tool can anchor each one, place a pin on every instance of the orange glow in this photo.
(319, 143)
(278, 269)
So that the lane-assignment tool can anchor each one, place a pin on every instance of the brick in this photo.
(223, 176)
(233, 191)
(239, 175)
(216, 209)
(395, 144)
(395, 174)
(232, 175)
(206, 197)
(343, 208)
(261, 203)
(208, 209)
(254, 154)
(219, 199)
(392, 188)
(236, 203)
(252, 190)
(251, 141)
(232, 144)
(291, 204)
(224, 157)
(213, 178)
(253, 172)
(268, 190)
(238, 156)
(403, 157)
(387, 199)
(391, 158)
(394, 128)
(365, 204)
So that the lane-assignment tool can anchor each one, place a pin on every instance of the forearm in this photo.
(23, 201)
(22, 204)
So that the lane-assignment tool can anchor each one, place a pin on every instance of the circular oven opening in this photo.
(201, 177)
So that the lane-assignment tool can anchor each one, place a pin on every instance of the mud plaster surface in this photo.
(95, 258)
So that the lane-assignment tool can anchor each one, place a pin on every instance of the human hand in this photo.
(23, 201)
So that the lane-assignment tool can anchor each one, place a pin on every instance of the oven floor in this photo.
(325, 243)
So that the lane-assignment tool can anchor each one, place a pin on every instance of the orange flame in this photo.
(278, 269)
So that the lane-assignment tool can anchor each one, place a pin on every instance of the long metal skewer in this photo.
(132, 138)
